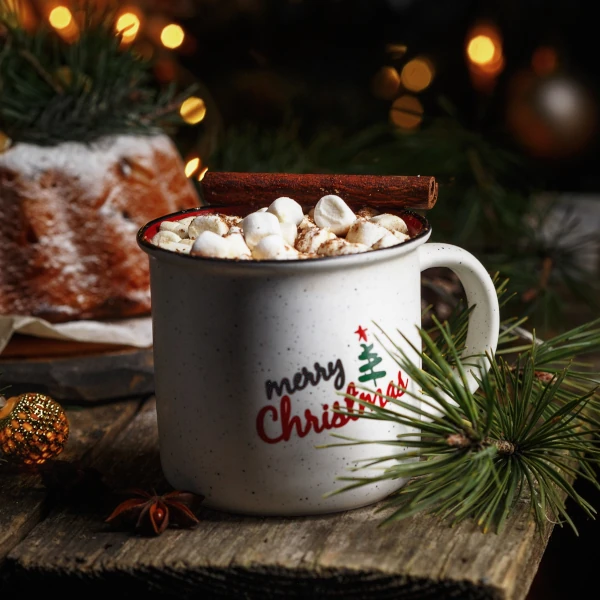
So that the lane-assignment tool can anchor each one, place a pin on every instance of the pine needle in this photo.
(525, 435)
(52, 90)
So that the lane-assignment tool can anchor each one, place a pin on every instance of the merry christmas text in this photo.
(277, 423)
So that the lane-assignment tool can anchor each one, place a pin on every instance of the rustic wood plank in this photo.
(108, 374)
(344, 555)
(23, 498)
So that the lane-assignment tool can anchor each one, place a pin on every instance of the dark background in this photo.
(268, 61)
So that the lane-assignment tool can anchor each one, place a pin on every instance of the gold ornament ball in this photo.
(33, 428)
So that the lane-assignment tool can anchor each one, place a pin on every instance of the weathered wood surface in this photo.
(344, 555)
(23, 498)
(80, 375)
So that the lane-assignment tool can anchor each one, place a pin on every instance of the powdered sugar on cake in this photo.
(68, 248)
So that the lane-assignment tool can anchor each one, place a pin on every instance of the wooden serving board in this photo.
(75, 372)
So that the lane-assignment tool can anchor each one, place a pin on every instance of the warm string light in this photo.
(192, 166)
(481, 50)
(128, 25)
(484, 55)
(396, 51)
(385, 83)
(60, 17)
(172, 36)
(193, 110)
(406, 112)
(417, 74)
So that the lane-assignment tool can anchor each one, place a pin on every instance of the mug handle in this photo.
(484, 320)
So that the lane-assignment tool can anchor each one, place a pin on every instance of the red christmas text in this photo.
(276, 424)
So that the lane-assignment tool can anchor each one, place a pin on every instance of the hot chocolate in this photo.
(284, 231)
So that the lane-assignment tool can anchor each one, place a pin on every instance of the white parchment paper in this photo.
(127, 332)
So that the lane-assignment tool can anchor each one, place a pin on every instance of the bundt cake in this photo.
(70, 214)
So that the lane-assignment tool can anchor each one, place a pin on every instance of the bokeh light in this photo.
(172, 36)
(60, 17)
(128, 24)
(385, 83)
(396, 51)
(193, 110)
(481, 49)
(484, 55)
(406, 112)
(192, 166)
(417, 74)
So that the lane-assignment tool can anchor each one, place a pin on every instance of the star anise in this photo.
(151, 513)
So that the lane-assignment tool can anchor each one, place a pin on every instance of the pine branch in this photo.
(53, 91)
(524, 435)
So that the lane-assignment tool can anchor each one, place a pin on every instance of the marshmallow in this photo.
(401, 236)
(391, 222)
(176, 247)
(286, 210)
(332, 212)
(282, 231)
(237, 245)
(214, 223)
(289, 232)
(258, 225)
(339, 246)
(209, 243)
(306, 223)
(273, 247)
(366, 232)
(179, 227)
(165, 236)
(309, 240)
(387, 241)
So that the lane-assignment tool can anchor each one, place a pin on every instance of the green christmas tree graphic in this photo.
(368, 369)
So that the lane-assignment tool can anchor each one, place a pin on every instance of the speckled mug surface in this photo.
(251, 357)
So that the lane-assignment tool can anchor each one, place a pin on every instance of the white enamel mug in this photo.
(251, 358)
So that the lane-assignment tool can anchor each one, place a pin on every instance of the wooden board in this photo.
(75, 372)
(344, 555)
(23, 501)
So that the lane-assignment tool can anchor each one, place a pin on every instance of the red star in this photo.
(362, 333)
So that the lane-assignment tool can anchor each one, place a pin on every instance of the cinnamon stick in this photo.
(418, 192)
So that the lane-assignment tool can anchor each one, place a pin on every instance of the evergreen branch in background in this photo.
(487, 198)
(53, 91)
(458, 321)
(525, 435)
